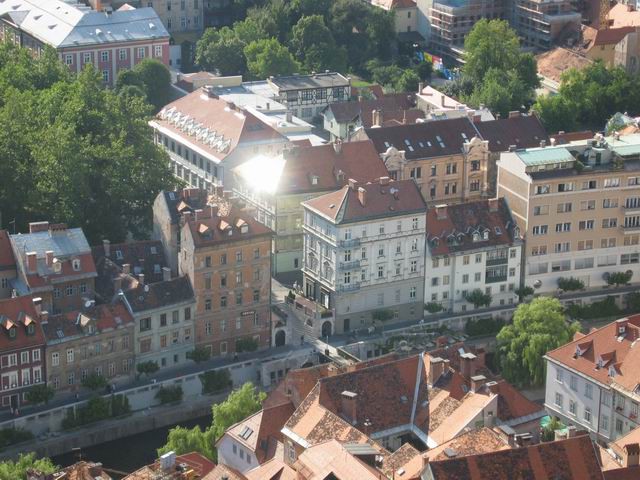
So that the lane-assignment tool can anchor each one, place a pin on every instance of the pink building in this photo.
(110, 41)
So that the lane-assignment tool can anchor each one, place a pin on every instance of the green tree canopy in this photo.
(13, 470)
(538, 327)
(156, 80)
(220, 50)
(40, 394)
(315, 47)
(407, 82)
(478, 298)
(269, 57)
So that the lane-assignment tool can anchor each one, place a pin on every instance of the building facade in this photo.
(54, 263)
(109, 41)
(405, 13)
(472, 246)
(578, 206)
(93, 341)
(364, 254)
(7, 265)
(163, 313)
(447, 159)
(274, 187)
(22, 349)
(228, 262)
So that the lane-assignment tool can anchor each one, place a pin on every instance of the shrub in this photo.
(523, 292)
(478, 298)
(247, 344)
(215, 381)
(382, 315)
(120, 405)
(199, 354)
(483, 326)
(433, 307)
(40, 394)
(570, 283)
(602, 309)
(549, 431)
(169, 394)
(619, 278)
(147, 368)
(11, 436)
(94, 382)
(94, 410)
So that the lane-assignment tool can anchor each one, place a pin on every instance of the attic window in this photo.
(246, 433)
(314, 179)
(244, 228)
(12, 332)
(485, 235)
(156, 268)
(31, 329)
(119, 255)
(476, 237)
(153, 250)
(76, 264)
(497, 230)
(435, 242)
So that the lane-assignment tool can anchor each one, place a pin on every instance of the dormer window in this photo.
(12, 332)
(476, 237)
(435, 242)
(31, 329)
(119, 255)
(76, 264)
(485, 235)
(612, 371)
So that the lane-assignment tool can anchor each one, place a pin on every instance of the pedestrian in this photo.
(77, 396)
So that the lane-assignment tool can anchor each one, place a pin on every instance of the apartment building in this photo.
(97, 340)
(305, 96)
(22, 349)
(274, 187)
(228, 262)
(7, 265)
(364, 253)
(542, 23)
(206, 137)
(54, 263)
(447, 159)
(109, 41)
(472, 246)
(592, 382)
(163, 313)
(405, 13)
(578, 206)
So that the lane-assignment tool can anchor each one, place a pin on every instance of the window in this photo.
(163, 341)
(122, 54)
(239, 298)
(587, 414)
(608, 242)
(140, 51)
(542, 189)
(565, 187)
(412, 293)
(223, 302)
(451, 168)
(145, 345)
(611, 182)
(175, 337)
(145, 324)
(465, 278)
(207, 304)
(416, 172)
(478, 258)
(477, 277)
(585, 245)
(588, 205)
(223, 259)
(610, 203)
(561, 266)
(604, 422)
(380, 271)
(238, 279)
(562, 247)
(105, 76)
(445, 279)
(71, 378)
(540, 229)
(380, 299)
(563, 227)
(606, 398)
(558, 375)
(573, 407)
(239, 256)
(55, 359)
(35, 355)
(564, 207)
(414, 266)
(541, 210)
(104, 56)
(559, 399)
(175, 316)
(586, 224)
(609, 222)
(628, 258)
(582, 263)
(86, 57)
(70, 355)
(68, 290)
(474, 185)
(157, 50)
(435, 281)
(68, 59)
(24, 357)
(589, 185)
(381, 251)
(540, 250)
(414, 224)
(465, 260)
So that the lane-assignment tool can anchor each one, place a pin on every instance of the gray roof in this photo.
(161, 294)
(64, 243)
(66, 24)
(318, 80)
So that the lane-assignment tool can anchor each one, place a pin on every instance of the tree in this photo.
(569, 284)
(433, 307)
(407, 82)
(382, 315)
(169, 394)
(555, 112)
(315, 46)
(633, 302)
(215, 381)
(147, 368)
(219, 50)
(94, 382)
(156, 80)
(241, 403)
(538, 327)
(13, 470)
(40, 394)
(549, 430)
(619, 278)
(385, 75)
(478, 298)
(424, 70)
(269, 57)
(523, 292)
(199, 354)
(247, 344)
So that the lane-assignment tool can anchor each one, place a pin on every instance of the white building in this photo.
(364, 253)
(593, 382)
(472, 246)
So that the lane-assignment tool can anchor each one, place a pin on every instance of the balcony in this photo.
(355, 264)
(497, 261)
(349, 287)
(353, 242)
(631, 209)
(495, 279)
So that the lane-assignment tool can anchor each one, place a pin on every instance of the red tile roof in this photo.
(612, 36)
(391, 107)
(382, 199)
(222, 472)
(17, 313)
(523, 131)
(563, 138)
(107, 317)
(457, 228)
(211, 230)
(233, 124)
(7, 260)
(513, 404)
(390, 4)
(618, 353)
(570, 459)
(626, 473)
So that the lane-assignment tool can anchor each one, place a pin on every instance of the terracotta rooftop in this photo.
(334, 460)
(72, 325)
(390, 106)
(523, 131)
(207, 230)
(626, 473)
(82, 471)
(316, 168)
(607, 355)
(553, 63)
(274, 469)
(611, 36)
(467, 226)
(570, 459)
(199, 465)
(160, 294)
(7, 261)
(222, 472)
(425, 140)
(473, 442)
(221, 126)
(20, 313)
(622, 15)
(358, 202)
(370, 91)
(563, 138)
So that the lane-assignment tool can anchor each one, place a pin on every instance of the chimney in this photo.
(141, 279)
(543, 143)
(107, 247)
(117, 284)
(353, 184)
(35, 227)
(631, 454)
(337, 146)
(198, 215)
(493, 205)
(166, 274)
(374, 118)
(213, 211)
(552, 142)
(512, 148)
(436, 369)
(467, 365)
(289, 116)
(37, 303)
(442, 97)
(420, 87)
(348, 409)
(477, 382)
(441, 212)
(362, 196)
(384, 181)
(32, 262)
(492, 387)
(514, 114)
(49, 258)
(621, 327)
(44, 317)
(126, 268)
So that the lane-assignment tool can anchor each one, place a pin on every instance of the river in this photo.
(130, 453)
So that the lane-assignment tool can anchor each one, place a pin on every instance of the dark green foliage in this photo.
(147, 368)
(433, 307)
(619, 278)
(120, 405)
(382, 315)
(199, 354)
(215, 381)
(483, 326)
(549, 431)
(40, 394)
(523, 292)
(94, 382)
(569, 284)
(156, 80)
(247, 344)
(96, 409)
(169, 394)
(478, 298)
(268, 57)
(633, 302)
(602, 309)
(11, 436)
